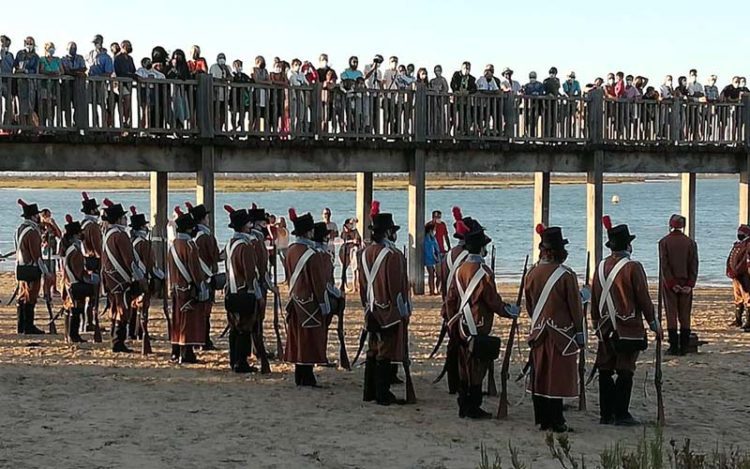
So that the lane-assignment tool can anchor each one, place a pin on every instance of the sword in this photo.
(443, 331)
(15, 294)
(362, 340)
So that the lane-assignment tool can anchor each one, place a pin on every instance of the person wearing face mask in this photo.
(147, 95)
(222, 74)
(422, 77)
(532, 107)
(100, 65)
(471, 303)
(50, 66)
(350, 75)
(323, 68)
(711, 90)
(743, 86)
(695, 89)
(240, 97)
(621, 302)
(439, 84)
(6, 67)
(197, 64)
(384, 294)
(297, 101)
(261, 77)
(124, 69)
(390, 74)
(277, 102)
(27, 63)
(73, 91)
(178, 70)
(463, 84)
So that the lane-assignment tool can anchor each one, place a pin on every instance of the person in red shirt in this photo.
(620, 86)
(443, 242)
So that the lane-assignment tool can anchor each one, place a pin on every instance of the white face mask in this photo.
(222, 61)
(51, 51)
(239, 69)
(30, 48)
(323, 63)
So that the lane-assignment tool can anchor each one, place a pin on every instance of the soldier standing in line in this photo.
(737, 270)
(30, 267)
(146, 260)
(91, 242)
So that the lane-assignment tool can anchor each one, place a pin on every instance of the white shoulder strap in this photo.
(542, 301)
(607, 282)
(19, 240)
(66, 263)
(232, 279)
(298, 268)
(107, 252)
(370, 275)
(465, 296)
(454, 264)
(138, 240)
(180, 266)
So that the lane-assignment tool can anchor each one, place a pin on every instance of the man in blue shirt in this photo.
(100, 65)
(6, 67)
(532, 106)
(27, 63)
(73, 91)
(350, 75)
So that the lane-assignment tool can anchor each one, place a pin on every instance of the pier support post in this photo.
(364, 200)
(541, 208)
(745, 192)
(594, 208)
(417, 177)
(204, 188)
(688, 203)
(159, 190)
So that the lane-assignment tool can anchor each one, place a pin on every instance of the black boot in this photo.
(29, 327)
(232, 348)
(540, 412)
(175, 355)
(306, 375)
(674, 342)
(623, 389)
(74, 326)
(394, 375)
(606, 397)
(20, 318)
(132, 325)
(451, 364)
(556, 418)
(738, 310)
(119, 334)
(746, 324)
(208, 344)
(684, 341)
(187, 355)
(242, 346)
(463, 398)
(474, 410)
(370, 380)
(90, 325)
(384, 374)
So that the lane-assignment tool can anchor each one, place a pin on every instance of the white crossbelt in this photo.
(453, 265)
(370, 275)
(232, 279)
(607, 283)
(19, 240)
(551, 281)
(138, 260)
(120, 270)
(180, 266)
(465, 296)
(204, 267)
(298, 268)
(66, 264)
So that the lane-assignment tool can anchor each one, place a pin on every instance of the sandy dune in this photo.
(82, 406)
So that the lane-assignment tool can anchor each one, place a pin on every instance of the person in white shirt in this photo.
(487, 81)
(695, 89)
(298, 99)
(374, 81)
(222, 74)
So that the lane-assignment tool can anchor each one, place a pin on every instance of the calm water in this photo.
(507, 213)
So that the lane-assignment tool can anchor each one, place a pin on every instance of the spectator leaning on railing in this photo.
(147, 95)
(222, 74)
(100, 65)
(711, 90)
(197, 64)
(571, 87)
(439, 84)
(695, 89)
(323, 68)
(27, 63)
(49, 66)
(124, 68)
(508, 84)
(487, 82)
(73, 91)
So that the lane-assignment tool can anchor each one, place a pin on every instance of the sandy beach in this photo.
(67, 406)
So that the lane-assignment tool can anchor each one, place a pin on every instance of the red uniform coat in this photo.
(632, 304)
(29, 252)
(552, 337)
(188, 317)
(738, 272)
(73, 271)
(387, 317)
(455, 257)
(91, 237)
(678, 262)
(145, 252)
(261, 264)
(243, 267)
(117, 283)
(484, 303)
(309, 307)
(208, 250)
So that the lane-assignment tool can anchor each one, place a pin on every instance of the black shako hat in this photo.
(137, 220)
(257, 214)
(185, 222)
(476, 237)
(71, 227)
(237, 218)
(29, 210)
(88, 205)
(552, 237)
(320, 231)
(619, 236)
(302, 224)
(381, 222)
(113, 211)
(197, 211)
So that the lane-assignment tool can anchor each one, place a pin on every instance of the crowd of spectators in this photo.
(282, 104)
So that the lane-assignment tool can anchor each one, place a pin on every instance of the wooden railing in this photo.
(208, 107)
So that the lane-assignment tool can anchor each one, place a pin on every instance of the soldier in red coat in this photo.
(208, 249)
(91, 243)
(121, 274)
(554, 303)
(472, 302)
(146, 259)
(678, 262)
(737, 270)
(384, 291)
(189, 290)
(621, 303)
(30, 267)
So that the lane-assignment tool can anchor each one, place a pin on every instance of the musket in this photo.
(491, 386)
(492, 259)
(165, 289)
(146, 343)
(97, 329)
(5, 256)
(441, 337)
(582, 353)
(411, 397)
(276, 308)
(660, 420)
(502, 407)
(362, 340)
(343, 357)
(224, 333)
(48, 292)
(15, 294)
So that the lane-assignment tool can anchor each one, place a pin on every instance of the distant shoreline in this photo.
(298, 182)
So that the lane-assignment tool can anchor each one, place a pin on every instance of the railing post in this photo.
(420, 113)
(204, 105)
(744, 138)
(80, 110)
(595, 115)
(675, 121)
(316, 109)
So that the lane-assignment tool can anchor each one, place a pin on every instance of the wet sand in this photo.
(66, 406)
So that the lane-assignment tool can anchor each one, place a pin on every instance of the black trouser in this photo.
(614, 395)
(548, 412)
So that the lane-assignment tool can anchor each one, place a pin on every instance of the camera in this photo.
(378, 59)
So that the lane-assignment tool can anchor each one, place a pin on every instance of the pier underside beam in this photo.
(687, 201)
(594, 196)
(541, 208)
(364, 200)
(159, 190)
(205, 192)
(417, 182)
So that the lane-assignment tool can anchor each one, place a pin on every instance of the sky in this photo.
(641, 39)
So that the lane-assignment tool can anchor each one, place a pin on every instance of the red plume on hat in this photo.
(68, 218)
(607, 222)
(374, 208)
(253, 206)
(292, 214)
(457, 215)
(22, 203)
(178, 210)
(133, 210)
(189, 205)
(540, 228)
(461, 228)
(107, 203)
(229, 208)
(85, 195)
